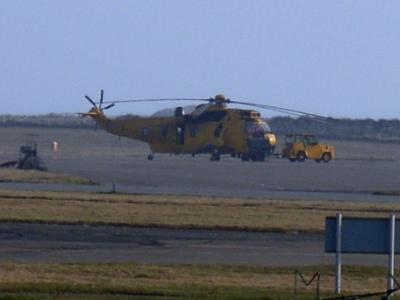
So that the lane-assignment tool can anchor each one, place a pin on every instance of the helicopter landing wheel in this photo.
(245, 157)
(215, 156)
(258, 157)
(150, 157)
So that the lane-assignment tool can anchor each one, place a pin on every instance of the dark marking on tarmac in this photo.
(26, 242)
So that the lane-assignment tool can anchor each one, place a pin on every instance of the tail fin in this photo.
(98, 116)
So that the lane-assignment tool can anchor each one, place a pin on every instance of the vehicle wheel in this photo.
(150, 157)
(326, 157)
(301, 156)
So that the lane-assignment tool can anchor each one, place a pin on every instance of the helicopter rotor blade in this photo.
(156, 100)
(289, 111)
(293, 112)
(90, 100)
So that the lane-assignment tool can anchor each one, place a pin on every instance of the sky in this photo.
(334, 58)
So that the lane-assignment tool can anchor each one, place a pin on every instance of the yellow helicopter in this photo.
(210, 127)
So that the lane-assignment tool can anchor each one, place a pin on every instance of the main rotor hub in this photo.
(220, 99)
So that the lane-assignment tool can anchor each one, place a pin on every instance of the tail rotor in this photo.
(97, 109)
(99, 104)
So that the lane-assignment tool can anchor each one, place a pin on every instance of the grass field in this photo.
(179, 211)
(140, 281)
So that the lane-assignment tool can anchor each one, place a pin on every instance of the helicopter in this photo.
(210, 127)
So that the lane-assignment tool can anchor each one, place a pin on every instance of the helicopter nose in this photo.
(270, 138)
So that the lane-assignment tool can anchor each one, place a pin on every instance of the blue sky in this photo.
(336, 58)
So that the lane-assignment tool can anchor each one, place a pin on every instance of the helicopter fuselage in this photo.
(219, 129)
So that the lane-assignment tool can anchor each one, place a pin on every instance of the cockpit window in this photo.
(257, 129)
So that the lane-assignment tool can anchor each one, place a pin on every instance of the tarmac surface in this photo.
(22, 242)
(361, 170)
(278, 179)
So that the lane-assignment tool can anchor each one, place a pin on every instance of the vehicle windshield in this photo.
(257, 129)
(299, 138)
(289, 139)
(311, 140)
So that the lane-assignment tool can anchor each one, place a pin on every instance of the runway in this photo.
(23, 242)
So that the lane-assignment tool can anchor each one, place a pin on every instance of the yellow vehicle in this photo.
(211, 127)
(299, 147)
